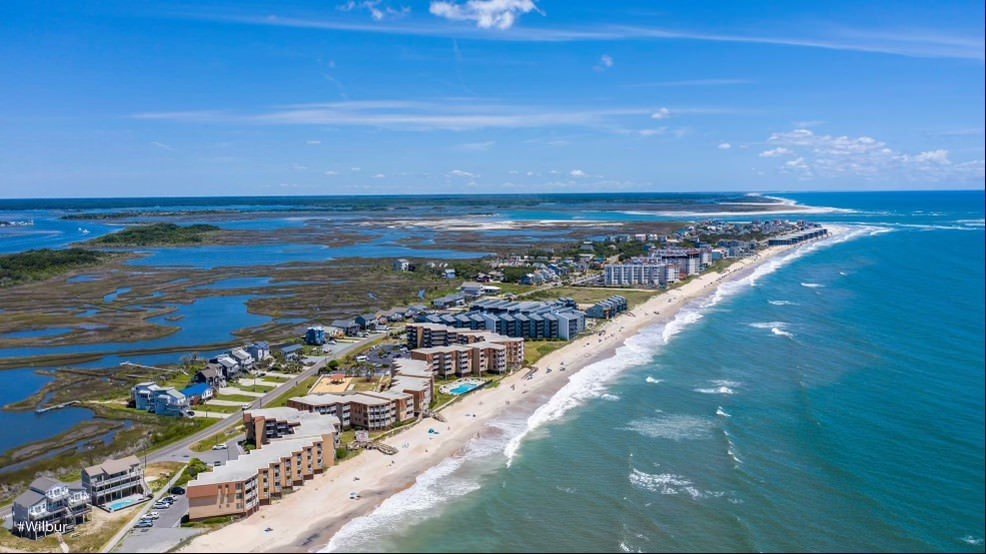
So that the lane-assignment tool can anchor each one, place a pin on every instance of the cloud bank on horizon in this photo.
(386, 96)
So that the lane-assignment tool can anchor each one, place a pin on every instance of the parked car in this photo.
(177, 490)
(151, 515)
(219, 447)
(144, 524)
(217, 463)
(162, 505)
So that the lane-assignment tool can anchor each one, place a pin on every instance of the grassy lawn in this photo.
(207, 408)
(513, 288)
(591, 295)
(247, 385)
(206, 444)
(534, 350)
(235, 397)
(364, 385)
(158, 474)
(301, 389)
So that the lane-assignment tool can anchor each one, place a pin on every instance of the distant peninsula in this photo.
(157, 234)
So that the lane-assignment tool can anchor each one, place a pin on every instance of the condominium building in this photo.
(798, 236)
(644, 273)
(460, 360)
(690, 261)
(49, 506)
(267, 424)
(415, 378)
(369, 410)
(114, 480)
(608, 308)
(294, 448)
(431, 335)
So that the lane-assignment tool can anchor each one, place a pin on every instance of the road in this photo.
(181, 451)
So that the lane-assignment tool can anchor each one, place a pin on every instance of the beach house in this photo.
(198, 393)
(49, 506)
(260, 351)
(349, 326)
(163, 401)
(115, 480)
(244, 359)
(315, 336)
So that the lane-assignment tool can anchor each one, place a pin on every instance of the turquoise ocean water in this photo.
(833, 400)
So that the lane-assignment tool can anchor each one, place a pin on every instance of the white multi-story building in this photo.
(649, 274)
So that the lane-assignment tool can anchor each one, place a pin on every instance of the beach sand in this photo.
(305, 520)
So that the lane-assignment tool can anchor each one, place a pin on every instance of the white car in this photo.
(219, 447)
(152, 515)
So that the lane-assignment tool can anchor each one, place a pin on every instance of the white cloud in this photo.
(724, 146)
(379, 176)
(933, 156)
(488, 14)
(775, 152)
(331, 173)
(354, 169)
(461, 173)
(313, 142)
(378, 10)
(605, 62)
(652, 132)
(578, 173)
(662, 113)
(831, 156)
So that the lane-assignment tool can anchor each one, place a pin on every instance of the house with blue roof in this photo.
(198, 393)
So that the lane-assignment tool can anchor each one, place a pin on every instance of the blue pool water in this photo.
(464, 388)
(125, 503)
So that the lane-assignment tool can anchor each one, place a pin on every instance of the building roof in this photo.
(210, 372)
(248, 465)
(198, 389)
(111, 466)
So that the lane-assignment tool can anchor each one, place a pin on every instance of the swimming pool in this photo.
(464, 388)
(123, 503)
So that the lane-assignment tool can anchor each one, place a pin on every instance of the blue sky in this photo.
(145, 98)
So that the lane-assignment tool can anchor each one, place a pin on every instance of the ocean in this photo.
(833, 401)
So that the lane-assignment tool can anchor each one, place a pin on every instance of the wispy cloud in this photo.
(449, 115)
(163, 146)
(900, 42)
(476, 146)
(377, 9)
(692, 83)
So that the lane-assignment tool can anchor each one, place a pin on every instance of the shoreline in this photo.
(377, 477)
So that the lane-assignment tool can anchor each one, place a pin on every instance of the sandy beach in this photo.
(305, 520)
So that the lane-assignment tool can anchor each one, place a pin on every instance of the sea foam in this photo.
(673, 427)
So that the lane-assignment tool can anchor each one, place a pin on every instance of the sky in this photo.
(148, 98)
